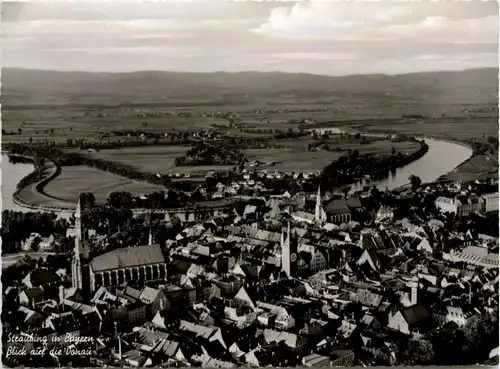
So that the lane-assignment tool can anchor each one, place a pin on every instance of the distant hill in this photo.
(33, 87)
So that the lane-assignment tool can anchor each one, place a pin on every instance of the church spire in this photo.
(319, 215)
(76, 267)
(78, 220)
(289, 235)
(288, 254)
(150, 241)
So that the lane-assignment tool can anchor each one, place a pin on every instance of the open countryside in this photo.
(165, 207)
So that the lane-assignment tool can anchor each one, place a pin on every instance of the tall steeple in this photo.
(414, 290)
(78, 221)
(76, 267)
(288, 254)
(319, 214)
(150, 240)
(288, 235)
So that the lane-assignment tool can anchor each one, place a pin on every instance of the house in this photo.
(384, 213)
(206, 361)
(212, 334)
(456, 315)
(129, 316)
(315, 360)
(489, 202)
(31, 296)
(292, 340)
(155, 299)
(30, 317)
(367, 298)
(370, 257)
(316, 259)
(30, 242)
(304, 217)
(340, 357)
(243, 299)
(370, 321)
(218, 195)
(413, 319)
(284, 319)
(47, 244)
(261, 357)
(447, 205)
(75, 324)
(158, 342)
(41, 278)
(474, 255)
(267, 319)
(73, 306)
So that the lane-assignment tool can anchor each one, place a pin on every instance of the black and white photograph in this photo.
(226, 184)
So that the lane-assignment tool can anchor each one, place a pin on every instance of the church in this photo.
(289, 254)
(116, 267)
(319, 216)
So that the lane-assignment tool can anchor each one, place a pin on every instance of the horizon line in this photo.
(249, 71)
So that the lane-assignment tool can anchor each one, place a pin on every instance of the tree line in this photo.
(452, 345)
(348, 167)
(17, 227)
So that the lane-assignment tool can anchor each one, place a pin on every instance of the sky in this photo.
(319, 37)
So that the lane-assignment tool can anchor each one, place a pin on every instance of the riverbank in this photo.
(27, 196)
(456, 173)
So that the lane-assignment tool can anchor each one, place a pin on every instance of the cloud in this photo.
(316, 37)
(378, 21)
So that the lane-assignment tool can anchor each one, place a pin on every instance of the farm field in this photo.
(76, 179)
(478, 167)
(375, 147)
(150, 159)
(299, 159)
(462, 130)
(291, 160)
(89, 123)
(94, 123)
(156, 159)
(161, 159)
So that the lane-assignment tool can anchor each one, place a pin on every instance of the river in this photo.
(442, 157)
(11, 175)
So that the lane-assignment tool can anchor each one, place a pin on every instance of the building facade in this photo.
(138, 264)
(289, 254)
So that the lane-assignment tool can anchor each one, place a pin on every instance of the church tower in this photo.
(414, 290)
(289, 255)
(76, 266)
(319, 214)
